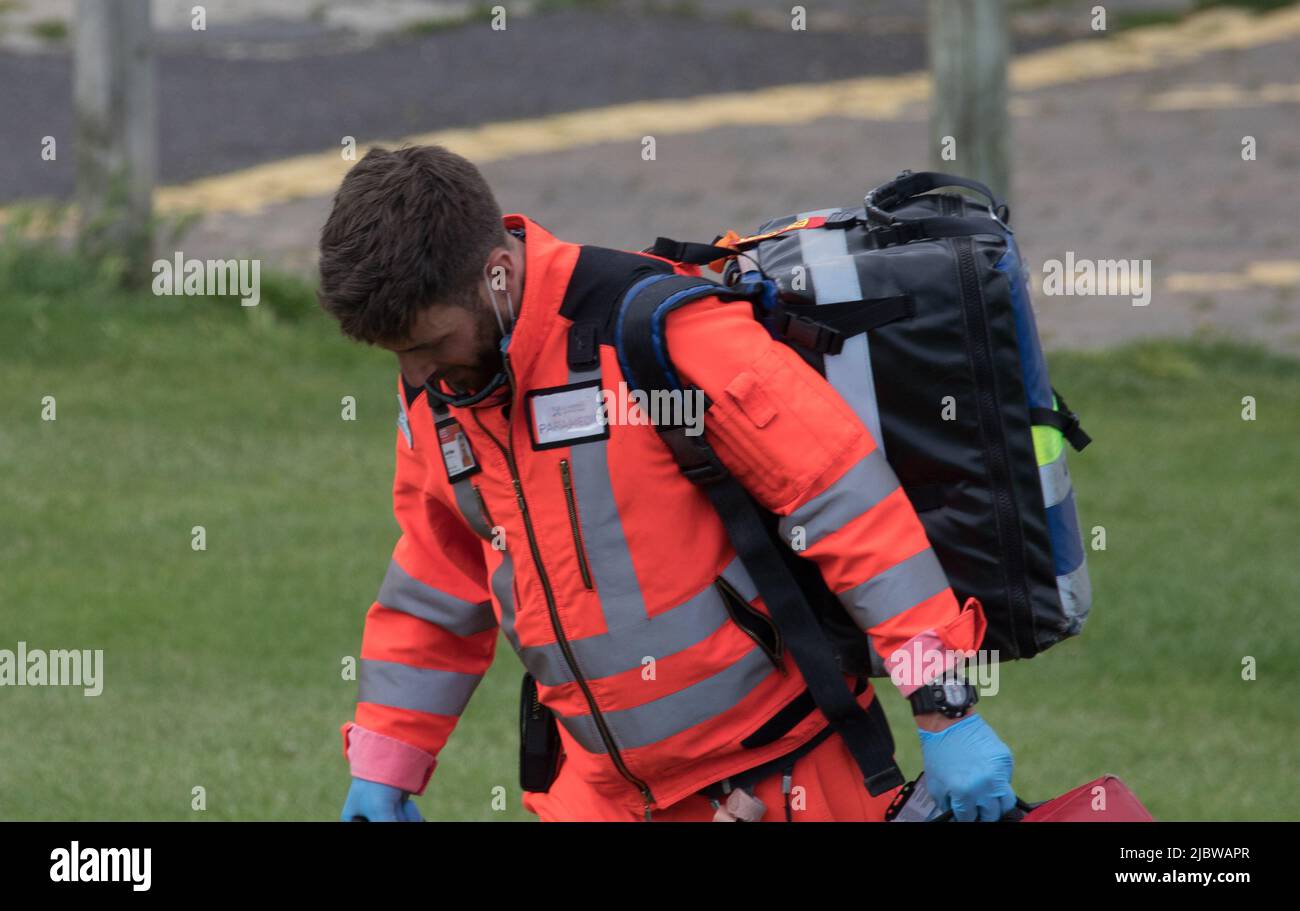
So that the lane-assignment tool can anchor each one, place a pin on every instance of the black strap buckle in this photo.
(695, 457)
(1064, 420)
(900, 232)
(1074, 433)
(841, 220)
(808, 333)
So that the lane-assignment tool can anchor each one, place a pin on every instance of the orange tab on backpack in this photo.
(727, 240)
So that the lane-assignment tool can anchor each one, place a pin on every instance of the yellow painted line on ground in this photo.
(1223, 95)
(1281, 273)
(1155, 47)
(869, 98)
(319, 174)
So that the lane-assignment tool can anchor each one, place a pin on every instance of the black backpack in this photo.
(928, 293)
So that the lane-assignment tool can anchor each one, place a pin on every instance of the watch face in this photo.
(954, 693)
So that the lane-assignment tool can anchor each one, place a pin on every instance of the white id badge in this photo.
(457, 457)
(563, 415)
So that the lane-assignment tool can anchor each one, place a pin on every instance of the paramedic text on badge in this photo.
(457, 457)
(562, 415)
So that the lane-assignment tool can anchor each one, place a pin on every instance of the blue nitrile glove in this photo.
(968, 770)
(375, 802)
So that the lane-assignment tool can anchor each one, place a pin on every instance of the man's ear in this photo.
(499, 268)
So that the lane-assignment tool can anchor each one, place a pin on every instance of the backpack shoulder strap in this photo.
(691, 253)
(639, 326)
(639, 335)
(643, 355)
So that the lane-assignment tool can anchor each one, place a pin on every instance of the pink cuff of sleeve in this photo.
(918, 661)
(376, 757)
(931, 653)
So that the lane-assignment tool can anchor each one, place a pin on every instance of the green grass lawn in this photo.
(222, 667)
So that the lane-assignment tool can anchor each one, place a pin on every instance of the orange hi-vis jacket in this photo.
(608, 571)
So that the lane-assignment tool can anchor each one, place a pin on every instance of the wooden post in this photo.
(116, 132)
(969, 44)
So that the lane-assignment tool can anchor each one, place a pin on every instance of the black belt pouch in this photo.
(539, 740)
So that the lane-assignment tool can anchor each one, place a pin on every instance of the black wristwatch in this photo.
(952, 698)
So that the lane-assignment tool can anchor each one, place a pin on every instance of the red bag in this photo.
(1120, 804)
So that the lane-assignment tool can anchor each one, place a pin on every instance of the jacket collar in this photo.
(548, 263)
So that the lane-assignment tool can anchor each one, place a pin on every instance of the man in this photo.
(606, 569)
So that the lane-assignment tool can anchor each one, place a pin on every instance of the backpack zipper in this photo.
(606, 737)
(569, 500)
(1006, 513)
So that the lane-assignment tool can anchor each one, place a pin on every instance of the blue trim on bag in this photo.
(1038, 389)
(1063, 528)
(762, 290)
(622, 311)
(657, 320)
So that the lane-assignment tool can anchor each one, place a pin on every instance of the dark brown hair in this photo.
(410, 228)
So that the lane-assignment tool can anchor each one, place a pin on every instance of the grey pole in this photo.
(969, 44)
(116, 131)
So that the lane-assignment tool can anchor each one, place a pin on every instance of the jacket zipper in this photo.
(508, 452)
(1008, 522)
(573, 523)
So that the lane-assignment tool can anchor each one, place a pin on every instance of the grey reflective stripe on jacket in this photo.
(671, 714)
(403, 686)
(416, 688)
(856, 492)
(625, 647)
(402, 592)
